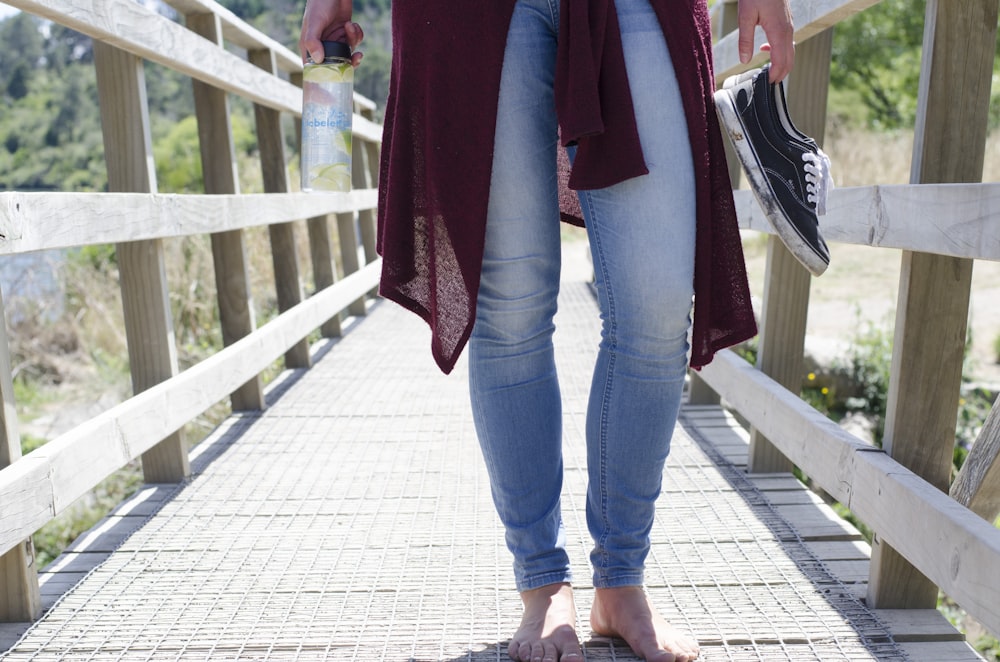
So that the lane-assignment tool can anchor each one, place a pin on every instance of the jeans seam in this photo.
(554, 14)
(608, 386)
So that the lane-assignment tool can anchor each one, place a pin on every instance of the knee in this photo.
(516, 309)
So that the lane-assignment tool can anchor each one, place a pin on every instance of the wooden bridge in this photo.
(342, 512)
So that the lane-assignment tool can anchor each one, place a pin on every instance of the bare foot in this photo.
(548, 627)
(628, 614)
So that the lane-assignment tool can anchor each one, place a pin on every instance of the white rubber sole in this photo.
(733, 125)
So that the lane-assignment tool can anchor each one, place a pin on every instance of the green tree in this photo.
(877, 54)
(22, 42)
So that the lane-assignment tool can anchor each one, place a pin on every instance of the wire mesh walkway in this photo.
(352, 520)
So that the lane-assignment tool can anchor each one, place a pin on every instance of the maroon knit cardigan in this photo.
(438, 146)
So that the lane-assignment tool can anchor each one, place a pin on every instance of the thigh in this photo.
(521, 254)
(643, 230)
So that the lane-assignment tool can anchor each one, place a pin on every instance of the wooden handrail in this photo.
(959, 220)
(46, 221)
(36, 487)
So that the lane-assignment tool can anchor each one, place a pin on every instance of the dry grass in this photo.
(861, 285)
(862, 158)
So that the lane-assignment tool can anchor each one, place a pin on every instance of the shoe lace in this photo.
(819, 180)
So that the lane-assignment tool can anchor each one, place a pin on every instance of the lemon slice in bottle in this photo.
(336, 177)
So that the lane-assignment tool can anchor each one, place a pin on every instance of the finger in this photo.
(311, 49)
(355, 34)
(748, 24)
(782, 61)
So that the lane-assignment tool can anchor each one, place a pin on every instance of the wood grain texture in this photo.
(229, 256)
(958, 220)
(284, 249)
(142, 272)
(324, 269)
(45, 221)
(977, 485)
(19, 596)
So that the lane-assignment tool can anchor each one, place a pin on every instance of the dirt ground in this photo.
(861, 286)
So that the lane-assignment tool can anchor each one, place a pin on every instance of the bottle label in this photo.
(327, 111)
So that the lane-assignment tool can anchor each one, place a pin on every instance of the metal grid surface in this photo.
(352, 520)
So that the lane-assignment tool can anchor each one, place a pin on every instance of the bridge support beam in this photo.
(229, 255)
(786, 282)
(149, 329)
(19, 597)
(933, 304)
(284, 252)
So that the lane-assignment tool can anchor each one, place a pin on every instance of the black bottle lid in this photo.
(336, 49)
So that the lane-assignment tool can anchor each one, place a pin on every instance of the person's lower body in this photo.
(642, 234)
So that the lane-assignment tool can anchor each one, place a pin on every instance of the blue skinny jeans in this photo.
(642, 234)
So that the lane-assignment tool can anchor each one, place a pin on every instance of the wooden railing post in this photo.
(121, 86)
(786, 282)
(364, 159)
(364, 167)
(218, 164)
(933, 303)
(19, 597)
(271, 142)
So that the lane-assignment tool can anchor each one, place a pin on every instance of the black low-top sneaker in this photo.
(788, 173)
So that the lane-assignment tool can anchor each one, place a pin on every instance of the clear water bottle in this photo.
(327, 110)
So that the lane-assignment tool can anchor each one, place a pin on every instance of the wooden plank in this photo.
(817, 521)
(800, 497)
(935, 651)
(839, 550)
(810, 16)
(781, 341)
(960, 220)
(347, 234)
(933, 307)
(774, 482)
(364, 174)
(977, 485)
(850, 572)
(10, 633)
(284, 249)
(324, 271)
(911, 625)
(142, 272)
(19, 596)
(238, 32)
(40, 485)
(229, 256)
(786, 282)
(955, 548)
(45, 221)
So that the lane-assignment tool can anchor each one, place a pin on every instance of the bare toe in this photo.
(548, 627)
(627, 613)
